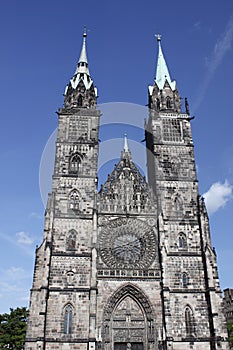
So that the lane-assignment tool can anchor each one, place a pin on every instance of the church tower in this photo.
(192, 301)
(63, 295)
(131, 267)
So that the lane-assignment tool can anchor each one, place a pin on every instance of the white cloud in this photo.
(24, 238)
(222, 46)
(218, 195)
(26, 248)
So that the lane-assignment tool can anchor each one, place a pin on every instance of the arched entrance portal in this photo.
(129, 322)
(128, 326)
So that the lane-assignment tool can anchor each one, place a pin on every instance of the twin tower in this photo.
(130, 267)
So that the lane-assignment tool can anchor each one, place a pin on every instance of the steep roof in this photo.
(126, 189)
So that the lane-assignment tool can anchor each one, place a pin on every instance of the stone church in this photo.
(130, 267)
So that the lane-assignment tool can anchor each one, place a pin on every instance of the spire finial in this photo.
(158, 36)
(85, 32)
(83, 54)
(126, 147)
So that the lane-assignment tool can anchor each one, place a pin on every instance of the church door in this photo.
(129, 326)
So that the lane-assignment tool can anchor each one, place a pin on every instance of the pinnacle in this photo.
(126, 147)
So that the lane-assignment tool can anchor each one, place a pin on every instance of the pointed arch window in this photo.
(158, 104)
(189, 322)
(71, 240)
(182, 241)
(184, 280)
(168, 102)
(68, 318)
(80, 101)
(74, 165)
(74, 200)
(178, 205)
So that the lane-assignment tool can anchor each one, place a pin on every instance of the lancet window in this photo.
(74, 202)
(178, 205)
(182, 241)
(80, 100)
(184, 280)
(189, 322)
(71, 240)
(168, 102)
(68, 318)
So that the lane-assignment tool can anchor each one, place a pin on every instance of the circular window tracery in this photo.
(127, 243)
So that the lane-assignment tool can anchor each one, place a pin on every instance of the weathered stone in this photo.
(131, 267)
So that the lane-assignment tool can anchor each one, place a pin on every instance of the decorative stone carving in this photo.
(126, 190)
(127, 243)
(128, 316)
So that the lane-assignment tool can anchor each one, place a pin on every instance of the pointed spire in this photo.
(163, 95)
(82, 66)
(81, 92)
(126, 147)
(125, 154)
(162, 73)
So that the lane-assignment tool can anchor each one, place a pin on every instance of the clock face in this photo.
(127, 243)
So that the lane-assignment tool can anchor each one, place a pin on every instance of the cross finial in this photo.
(158, 36)
(84, 31)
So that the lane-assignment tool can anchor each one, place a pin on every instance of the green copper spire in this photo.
(162, 72)
(163, 95)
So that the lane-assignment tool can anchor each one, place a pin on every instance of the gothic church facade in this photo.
(132, 266)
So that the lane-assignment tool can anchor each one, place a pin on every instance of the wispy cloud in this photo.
(25, 298)
(35, 215)
(9, 287)
(218, 195)
(24, 238)
(16, 273)
(15, 283)
(222, 46)
(197, 25)
(26, 248)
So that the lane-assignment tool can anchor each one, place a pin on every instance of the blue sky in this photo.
(40, 44)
